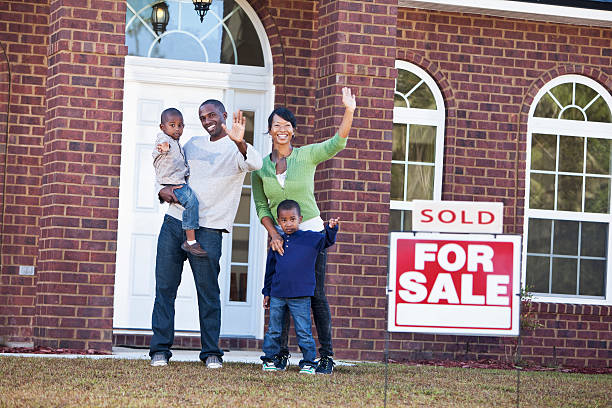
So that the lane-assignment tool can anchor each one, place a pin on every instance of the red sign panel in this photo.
(454, 284)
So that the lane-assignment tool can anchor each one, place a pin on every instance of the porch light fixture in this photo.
(201, 7)
(160, 17)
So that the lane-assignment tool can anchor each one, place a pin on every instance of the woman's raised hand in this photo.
(236, 133)
(348, 99)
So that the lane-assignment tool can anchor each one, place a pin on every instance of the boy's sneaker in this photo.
(307, 369)
(269, 366)
(194, 249)
(282, 361)
(326, 365)
(159, 359)
(213, 362)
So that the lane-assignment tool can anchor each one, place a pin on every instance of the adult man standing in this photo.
(218, 164)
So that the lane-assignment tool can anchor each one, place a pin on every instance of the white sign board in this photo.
(457, 216)
(454, 284)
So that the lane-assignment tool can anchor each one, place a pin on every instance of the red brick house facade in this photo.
(62, 90)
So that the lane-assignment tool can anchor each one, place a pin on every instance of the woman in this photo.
(288, 173)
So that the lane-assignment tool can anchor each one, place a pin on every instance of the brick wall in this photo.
(489, 70)
(357, 49)
(24, 36)
(82, 146)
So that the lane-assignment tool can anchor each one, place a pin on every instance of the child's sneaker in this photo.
(269, 366)
(326, 365)
(282, 361)
(194, 249)
(307, 369)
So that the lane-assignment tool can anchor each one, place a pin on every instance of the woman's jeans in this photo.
(320, 312)
(168, 269)
(300, 311)
(191, 212)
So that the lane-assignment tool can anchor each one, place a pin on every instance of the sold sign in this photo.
(454, 284)
(457, 216)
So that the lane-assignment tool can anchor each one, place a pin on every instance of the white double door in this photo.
(141, 214)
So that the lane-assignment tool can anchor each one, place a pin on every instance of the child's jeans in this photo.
(189, 201)
(299, 308)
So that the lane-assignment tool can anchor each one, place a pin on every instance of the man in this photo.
(218, 165)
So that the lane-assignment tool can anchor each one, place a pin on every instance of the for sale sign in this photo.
(454, 283)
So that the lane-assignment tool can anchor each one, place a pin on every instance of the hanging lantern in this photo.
(201, 7)
(159, 18)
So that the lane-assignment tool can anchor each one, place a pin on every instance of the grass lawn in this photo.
(29, 381)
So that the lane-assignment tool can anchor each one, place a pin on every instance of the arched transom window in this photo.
(569, 173)
(226, 35)
(418, 143)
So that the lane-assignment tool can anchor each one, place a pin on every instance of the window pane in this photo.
(569, 194)
(584, 95)
(243, 37)
(597, 195)
(422, 146)
(249, 128)
(547, 108)
(244, 208)
(563, 93)
(238, 284)
(592, 277)
(397, 182)
(571, 154)
(538, 272)
(422, 98)
(400, 220)
(572, 114)
(399, 142)
(564, 276)
(395, 220)
(541, 191)
(538, 237)
(420, 182)
(599, 111)
(406, 80)
(566, 238)
(543, 152)
(399, 101)
(594, 239)
(598, 156)
(240, 244)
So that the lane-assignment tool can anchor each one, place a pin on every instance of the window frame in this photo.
(564, 127)
(428, 117)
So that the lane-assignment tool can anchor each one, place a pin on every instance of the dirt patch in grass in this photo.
(80, 382)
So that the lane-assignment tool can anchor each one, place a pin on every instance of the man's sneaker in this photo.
(282, 361)
(194, 249)
(269, 366)
(326, 365)
(159, 360)
(213, 362)
(307, 369)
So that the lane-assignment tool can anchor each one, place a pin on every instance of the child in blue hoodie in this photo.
(290, 282)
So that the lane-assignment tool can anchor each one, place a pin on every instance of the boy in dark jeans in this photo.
(171, 169)
(290, 282)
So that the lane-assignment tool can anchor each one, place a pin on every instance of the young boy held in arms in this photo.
(171, 169)
(290, 282)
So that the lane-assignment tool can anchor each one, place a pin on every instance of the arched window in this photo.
(418, 143)
(226, 36)
(567, 210)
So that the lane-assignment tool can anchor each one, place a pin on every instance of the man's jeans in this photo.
(320, 312)
(189, 201)
(300, 311)
(168, 269)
